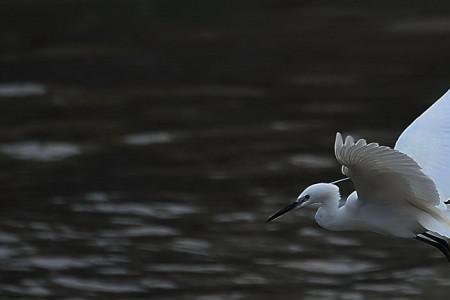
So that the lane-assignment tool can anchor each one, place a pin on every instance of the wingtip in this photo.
(349, 140)
(338, 143)
(361, 142)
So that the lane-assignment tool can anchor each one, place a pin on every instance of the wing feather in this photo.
(385, 174)
(427, 141)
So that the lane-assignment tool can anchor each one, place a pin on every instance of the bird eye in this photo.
(306, 197)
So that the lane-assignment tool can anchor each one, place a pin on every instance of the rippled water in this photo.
(140, 158)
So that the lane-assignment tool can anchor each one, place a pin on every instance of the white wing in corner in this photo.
(427, 141)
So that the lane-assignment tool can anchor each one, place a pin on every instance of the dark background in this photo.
(143, 144)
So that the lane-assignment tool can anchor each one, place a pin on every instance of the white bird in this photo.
(400, 192)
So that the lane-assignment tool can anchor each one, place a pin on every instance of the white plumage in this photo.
(383, 174)
(386, 179)
(400, 191)
(427, 141)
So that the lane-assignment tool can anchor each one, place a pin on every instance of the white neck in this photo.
(331, 203)
(327, 214)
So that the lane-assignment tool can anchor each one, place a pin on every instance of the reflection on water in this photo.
(327, 266)
(40, 151)
(148, 138)
(143, 165)
(422, 26)
(22, 90)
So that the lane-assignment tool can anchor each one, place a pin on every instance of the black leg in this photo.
(435, 244)
(437, 239)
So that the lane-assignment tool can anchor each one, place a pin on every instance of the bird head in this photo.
(314, 195)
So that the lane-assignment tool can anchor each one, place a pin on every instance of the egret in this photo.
(400, 191)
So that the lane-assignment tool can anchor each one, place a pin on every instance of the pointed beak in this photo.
(284, 210)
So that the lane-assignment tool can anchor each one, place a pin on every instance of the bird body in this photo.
(399, 192)
(356, 215)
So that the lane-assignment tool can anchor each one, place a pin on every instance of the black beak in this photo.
(283, 211)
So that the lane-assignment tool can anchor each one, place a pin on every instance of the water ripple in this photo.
(249, 279)
(189, 268)
(312, 161)
(157, 210)
(330, 266)
(140, 231)
(148, 138)
(235, 217)
(96, 285)
(193, 246)
(57, 263)
(424, 26)
(22, 89)
(155, 283)
(387, 287)
(40, 151)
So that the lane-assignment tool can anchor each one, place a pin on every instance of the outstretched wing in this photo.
(427, 141)
(384, 174)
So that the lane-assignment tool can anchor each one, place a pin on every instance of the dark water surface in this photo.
(143, 144)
